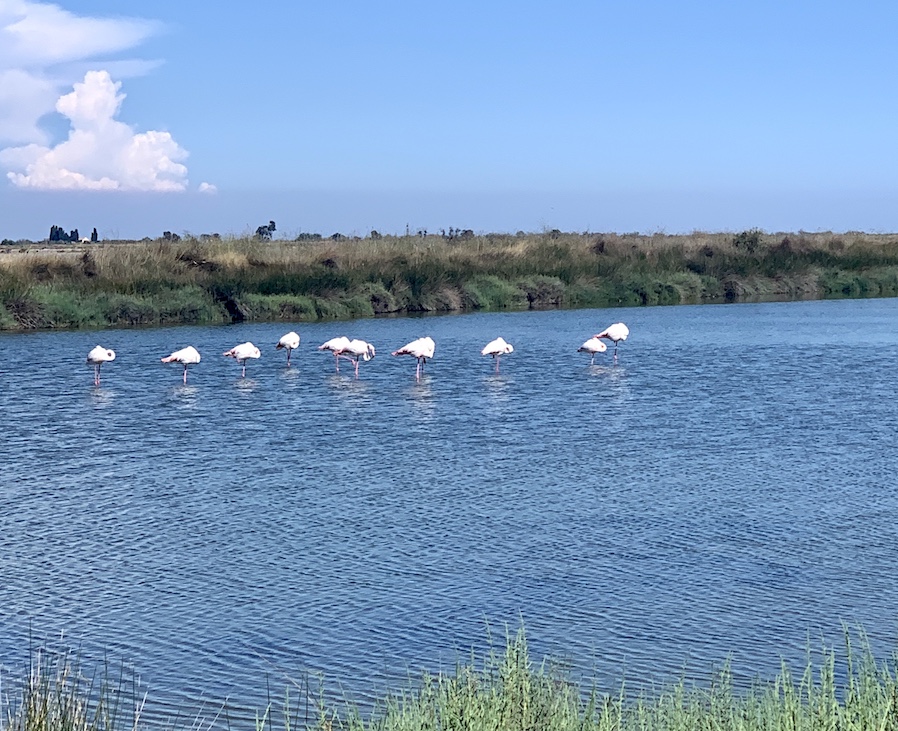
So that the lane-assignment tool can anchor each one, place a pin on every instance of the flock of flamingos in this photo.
(356, 350)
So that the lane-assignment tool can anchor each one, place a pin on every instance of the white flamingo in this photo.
(421, 349)
(497, 348)
(185, 356)
(616, 333)
(290, 341)
(335, 345)
(355, 350)
(593, 346)
(241, 353)
(97, 357)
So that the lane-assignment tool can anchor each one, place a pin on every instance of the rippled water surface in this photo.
(727, 489)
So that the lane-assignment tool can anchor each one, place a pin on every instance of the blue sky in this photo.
(204, 117)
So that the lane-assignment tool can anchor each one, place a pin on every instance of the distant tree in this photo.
(264, 232)
(169, 236)
(93, 235)
(338, 237)
(73, 235)
(308, 237)
(375, 235)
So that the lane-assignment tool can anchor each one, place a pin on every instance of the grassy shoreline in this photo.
(508, 691)
(194, 281)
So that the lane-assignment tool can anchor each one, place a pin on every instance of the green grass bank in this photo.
(209, 280)
(507, 691)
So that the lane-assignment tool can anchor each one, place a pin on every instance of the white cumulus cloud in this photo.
(101, 152)
(208, 188)
(45, 51)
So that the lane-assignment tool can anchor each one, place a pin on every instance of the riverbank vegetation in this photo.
(509, 692)
(213, 279)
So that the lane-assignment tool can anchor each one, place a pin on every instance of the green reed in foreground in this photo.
(508, 692)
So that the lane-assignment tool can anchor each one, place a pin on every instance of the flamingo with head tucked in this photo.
(290, 342)
(185, 356)
(97, 357)
(242, 353)
(421, 349)
(593, 346)
(335, 345)
(356, 350)
(497, 348)
(616, 333)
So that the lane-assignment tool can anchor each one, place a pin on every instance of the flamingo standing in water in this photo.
(241, 353)
(335, 345)
(290, 341)
(593, 346)
(421, 349)
(497, 348)
(355, 350)
(185, 356)
(616, 333)
(97, 357)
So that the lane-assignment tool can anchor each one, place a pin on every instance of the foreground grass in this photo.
(509, 692)
(219, 280)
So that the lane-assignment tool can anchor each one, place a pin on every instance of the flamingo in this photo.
(241, 353)
(497, 348)
(290, 341)
(422, 349)
(335, 345)
(354, 350)
(616, 333)
(185, 356)
(97, 357)
(593, 345)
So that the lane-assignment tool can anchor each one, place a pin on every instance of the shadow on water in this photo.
(184, 395)
(246, 385)
(101, 397)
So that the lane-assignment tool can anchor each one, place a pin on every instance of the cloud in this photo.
(101, 152)
(208, 188)
(43, 49)
(46, 50)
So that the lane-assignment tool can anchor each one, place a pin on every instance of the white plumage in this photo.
(421, 349)
(497, 348)
(185, 356)
(616, 333)
(97, 357)
(290, 342)
(243, 352)
(335, 345)
(593, 346)
(356, 350)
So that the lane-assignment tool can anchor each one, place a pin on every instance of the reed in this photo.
(154, 282)
(508, 691)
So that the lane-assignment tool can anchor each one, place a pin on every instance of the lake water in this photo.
(727, 489)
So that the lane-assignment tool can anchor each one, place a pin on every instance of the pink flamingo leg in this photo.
(185, 375)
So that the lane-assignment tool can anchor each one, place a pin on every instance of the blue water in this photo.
(725, 490)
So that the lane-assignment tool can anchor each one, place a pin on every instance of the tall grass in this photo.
(508, 691)
(122, 283)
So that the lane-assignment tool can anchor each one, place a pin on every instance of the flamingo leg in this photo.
(497, 364)
(243, 372)
(97, 374)
(185, 375)
(289, 351)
